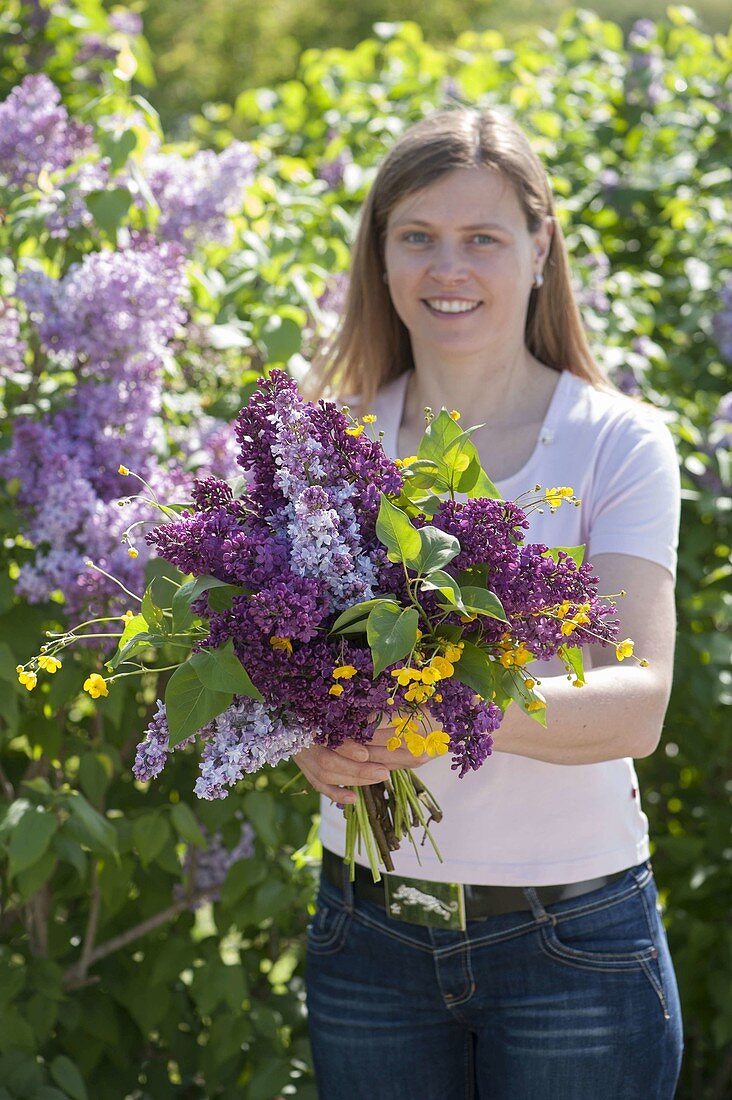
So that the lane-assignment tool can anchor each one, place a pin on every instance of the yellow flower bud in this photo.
(369, 418)
(133, 552)
(454, 415)
(336, 689)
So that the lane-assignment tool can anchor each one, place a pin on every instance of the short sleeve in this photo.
(636, 499)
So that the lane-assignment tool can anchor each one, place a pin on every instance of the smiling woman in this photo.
(558, 981)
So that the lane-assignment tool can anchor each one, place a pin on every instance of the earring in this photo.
(538, 280)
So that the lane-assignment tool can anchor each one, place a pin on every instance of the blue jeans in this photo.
(575, 1001)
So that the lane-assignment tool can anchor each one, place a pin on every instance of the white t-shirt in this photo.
(518, 821)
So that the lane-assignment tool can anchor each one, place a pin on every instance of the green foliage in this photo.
(110, 982)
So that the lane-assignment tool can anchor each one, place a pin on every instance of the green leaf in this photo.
(576, 553)
(282, 337)
(242, 877)
(482, 602)
(358, 614)
(442, 582)
(437, 438)
(186, 825)
(260, 807)
(33, 878)
(183, 617)
(221, 598)
(220, 670)
(572, 657)
(151, 613)
(484, 487)
(150, 834)
(30, 838)
(108, 208)
(514, 685)
(395, 531)
(67, 1076)
(190, 705)
(391, 634)
(135, 637)
(437, 549)
(96, 772)
(476, 670)
(93, 829)
(67, 849)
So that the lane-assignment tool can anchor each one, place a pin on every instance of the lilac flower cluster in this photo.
(241, 740)
(469, 724)
(36, 132)
(112, 311)
(12, 345)
(197, 195)
(644, 83)
(206, 869)
(590, 288)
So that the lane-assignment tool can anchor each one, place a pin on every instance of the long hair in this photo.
(371, 345)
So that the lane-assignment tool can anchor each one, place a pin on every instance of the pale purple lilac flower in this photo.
(590, 289)
(12, 345)
(198, 195)
(36, 132)
(206, 869)
(126, 22)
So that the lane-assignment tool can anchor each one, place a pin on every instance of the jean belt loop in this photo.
(537, 909)
(347, 887)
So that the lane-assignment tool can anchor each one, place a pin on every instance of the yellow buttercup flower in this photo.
(344, 672)
(557, 494)
(96, 685)
(534, 705)
(437, 697)
(27, 679)
(521, 655)
(624, 649)
(530, 683)
(415, 743)
(284, 645)
(404, 723)
(408, 461)
(454, 651)
(436, 742)
(442, 667)
(133, 552)
(49, 664)
(394, 743)
(563, 609)
(454, 415)
(123, 470)
(404, 676)
(336, 689)
(369, 418)
(398, 462)
(578, 683)
(568, 627)
(355, 431)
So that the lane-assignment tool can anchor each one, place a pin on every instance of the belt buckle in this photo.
(420, 901)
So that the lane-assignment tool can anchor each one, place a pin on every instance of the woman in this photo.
(560, 985)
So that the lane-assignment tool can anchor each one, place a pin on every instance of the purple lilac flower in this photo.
(197, 195)
(246, 736)
(153, 751)
(333, 170)
(36, 132)
(590, 289)
(722, 323)
(469, 724)
(111, 308)
(93, 47)
(126, 22)
(12, 345)
(642, 31)
(206, 869)
(67, 209)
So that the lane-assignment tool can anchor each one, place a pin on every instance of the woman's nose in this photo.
(448, 266)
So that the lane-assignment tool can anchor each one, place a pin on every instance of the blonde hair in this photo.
(371, 345)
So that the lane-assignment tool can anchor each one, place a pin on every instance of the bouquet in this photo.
(333, 590)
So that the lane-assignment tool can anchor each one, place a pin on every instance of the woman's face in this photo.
(460, 262)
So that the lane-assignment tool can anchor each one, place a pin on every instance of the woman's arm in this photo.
(620, 710)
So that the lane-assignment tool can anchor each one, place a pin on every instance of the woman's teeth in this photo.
(446, 305)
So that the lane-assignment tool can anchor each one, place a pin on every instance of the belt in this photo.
(448, 904)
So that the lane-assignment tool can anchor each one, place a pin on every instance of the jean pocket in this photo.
(327, 931)
(615, 938)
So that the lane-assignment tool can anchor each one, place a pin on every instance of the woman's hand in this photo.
(393, 758)
(330, 770)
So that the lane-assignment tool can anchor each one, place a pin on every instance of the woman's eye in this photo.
(483, 238)
(415, 237)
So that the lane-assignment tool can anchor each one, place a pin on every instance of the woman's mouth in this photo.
(451, 307)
